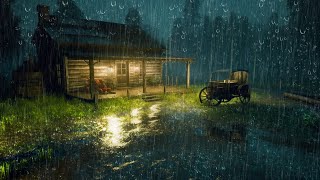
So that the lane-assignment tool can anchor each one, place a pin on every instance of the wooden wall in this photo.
(153, 72)
(28, 84)
(77, 73)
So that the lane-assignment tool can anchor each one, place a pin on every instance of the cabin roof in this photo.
(98, 38)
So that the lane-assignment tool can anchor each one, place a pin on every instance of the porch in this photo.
(132, 92)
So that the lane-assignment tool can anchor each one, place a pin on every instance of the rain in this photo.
(150, 89)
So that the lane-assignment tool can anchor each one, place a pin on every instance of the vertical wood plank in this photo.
(188, 74)
(144, 76)
(66, 76)
(91, 67)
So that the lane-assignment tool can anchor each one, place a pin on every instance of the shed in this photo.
(84, 58)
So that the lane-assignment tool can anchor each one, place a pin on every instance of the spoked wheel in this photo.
(244, 94)
(203, 96)
(245, 98)
(214, 102)
(205, 99)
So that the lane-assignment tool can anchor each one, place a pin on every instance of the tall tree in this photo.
(10, 35)
(67, 9)
(133, 18)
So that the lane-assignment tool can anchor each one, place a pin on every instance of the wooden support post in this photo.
(92, 89)
(66, 75)
(144, 76)
(188, 74)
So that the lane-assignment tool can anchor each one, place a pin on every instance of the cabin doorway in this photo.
(122, 74)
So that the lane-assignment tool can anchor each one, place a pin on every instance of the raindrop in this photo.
(20, 43)
(260, 5)
(277, 31)
(27, 10)
(121, 7)
(286, 18)
(297, 9)
(295, 3)
(261, 42)
(218, 31)
(139, 5)
(29, 35)
(178, 25)
(314, 70)
(17, 28)
(180, 9)
(113, 3)
(309, 72)
(302, 32)
(171, 8)
(65, 3)
(184, 32)
(183, 36)
(192, 1)
(225, 10)
(223, 5)
(184, 50)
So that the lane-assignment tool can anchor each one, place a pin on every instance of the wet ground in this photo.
(168, 144)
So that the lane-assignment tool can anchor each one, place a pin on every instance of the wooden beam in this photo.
(188, 74)
(92, 89)
(66, 75)
(144, 76)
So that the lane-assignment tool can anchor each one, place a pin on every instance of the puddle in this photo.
(176, 146)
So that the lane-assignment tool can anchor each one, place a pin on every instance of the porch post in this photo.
(144, 76)
(188, 74)
(92, 89)
(66, 75)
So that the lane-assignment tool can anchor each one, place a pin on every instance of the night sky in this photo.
(158, 15)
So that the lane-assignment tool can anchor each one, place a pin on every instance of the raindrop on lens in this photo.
(113, 3)
(184, 49)
(121, 7)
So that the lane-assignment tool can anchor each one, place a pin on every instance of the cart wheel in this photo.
(244, 98)
(203, 95)
(215, 102)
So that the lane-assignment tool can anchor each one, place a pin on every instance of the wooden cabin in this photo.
(84, 58)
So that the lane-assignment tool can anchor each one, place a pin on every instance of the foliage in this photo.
(133, 18)
(10, 34)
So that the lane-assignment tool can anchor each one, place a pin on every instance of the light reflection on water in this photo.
(115, 133)
(155, 109)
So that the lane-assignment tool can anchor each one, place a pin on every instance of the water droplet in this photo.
(171, 8)
(183, 36)
(277, 31)
(27, 9)
(65, 3)
(286, 18)
(297, 9)
(295, 3)
(121, 6)
(302, 32)
(260, 5)
(184, 50)
(20, 43)
(225, 10)
(218, 31)
(113, 3)
(309, 72)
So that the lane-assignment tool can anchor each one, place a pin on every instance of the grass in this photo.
(265, 111)
(27, 123)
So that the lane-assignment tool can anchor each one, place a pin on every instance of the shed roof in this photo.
(98, 38)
